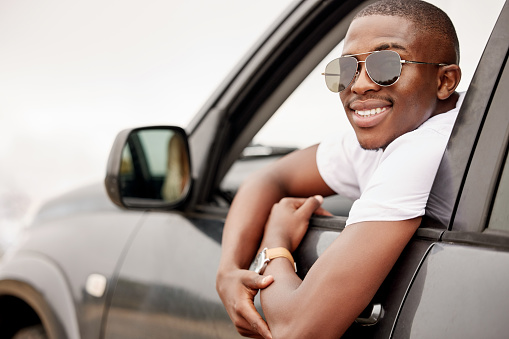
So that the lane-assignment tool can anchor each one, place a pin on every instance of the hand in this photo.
(237, 289)
(289, 220)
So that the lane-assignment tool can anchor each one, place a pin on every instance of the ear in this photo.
(448, 79)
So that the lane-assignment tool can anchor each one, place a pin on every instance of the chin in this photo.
(371, 148)
(369, 144)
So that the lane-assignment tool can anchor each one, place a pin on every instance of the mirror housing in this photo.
(149, 168)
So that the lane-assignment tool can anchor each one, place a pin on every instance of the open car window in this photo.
(312, 112)
(300, 121)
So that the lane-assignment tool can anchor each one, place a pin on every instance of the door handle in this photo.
(375, 316)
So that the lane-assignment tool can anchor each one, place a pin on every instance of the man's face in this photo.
(406, 104)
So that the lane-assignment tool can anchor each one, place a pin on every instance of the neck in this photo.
(447, 104)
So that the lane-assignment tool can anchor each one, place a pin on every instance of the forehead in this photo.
(377, 32)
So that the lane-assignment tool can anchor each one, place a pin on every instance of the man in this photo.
(402, 123)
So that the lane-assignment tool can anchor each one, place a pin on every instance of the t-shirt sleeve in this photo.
(335, 166)
(400, 186)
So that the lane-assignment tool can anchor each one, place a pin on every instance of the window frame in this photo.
(281, 62)
(484, 160)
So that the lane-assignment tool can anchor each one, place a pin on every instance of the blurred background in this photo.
(73, 74)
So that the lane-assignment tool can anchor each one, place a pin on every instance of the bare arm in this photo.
(244, 229)
(339, 285)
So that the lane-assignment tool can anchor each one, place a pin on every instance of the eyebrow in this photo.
(383, 47)
(390, 46)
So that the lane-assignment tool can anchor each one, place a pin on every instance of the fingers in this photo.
(240, 306)
(256, 281)
(323, 212)
(309, 206)
(305, 207)
(319, 198)
(258, 325)
(249, 322)
(289, 220)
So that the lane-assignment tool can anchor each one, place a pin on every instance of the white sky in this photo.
(73, 74)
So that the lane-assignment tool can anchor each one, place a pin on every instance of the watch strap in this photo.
(280, 252)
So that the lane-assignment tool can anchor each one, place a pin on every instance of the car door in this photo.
(461, 288)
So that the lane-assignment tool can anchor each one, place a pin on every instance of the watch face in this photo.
(260, 262)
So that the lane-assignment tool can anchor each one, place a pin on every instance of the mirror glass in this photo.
(154, 167)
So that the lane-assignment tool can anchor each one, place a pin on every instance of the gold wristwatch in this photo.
(267, 254)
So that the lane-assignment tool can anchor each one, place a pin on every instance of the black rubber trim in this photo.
(486, 239)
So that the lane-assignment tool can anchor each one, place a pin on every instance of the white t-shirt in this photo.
(387, 185)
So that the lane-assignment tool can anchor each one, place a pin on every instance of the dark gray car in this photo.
(137, 257)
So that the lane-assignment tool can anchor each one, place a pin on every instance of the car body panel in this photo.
(28, 276)
(459, 292)
(149, 299)
(64, 246)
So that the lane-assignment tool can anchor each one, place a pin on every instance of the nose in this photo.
(362, 83)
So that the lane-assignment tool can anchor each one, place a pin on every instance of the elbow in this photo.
(291, 330)
(285, 316)
(290, 324)
(281, 321)
(281, 330)
(304, 326)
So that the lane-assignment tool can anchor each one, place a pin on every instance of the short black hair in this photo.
(425, 16)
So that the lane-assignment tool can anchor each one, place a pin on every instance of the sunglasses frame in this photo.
(402, 61)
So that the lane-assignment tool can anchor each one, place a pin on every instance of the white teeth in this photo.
(371, 112)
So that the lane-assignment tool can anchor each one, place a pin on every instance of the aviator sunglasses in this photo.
(383, 68)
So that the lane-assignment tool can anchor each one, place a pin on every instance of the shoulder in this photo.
(435, 130)
(344, 165)
(429, 139)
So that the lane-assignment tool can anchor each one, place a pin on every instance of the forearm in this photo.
(236, 286)
(253, 202)
(246, 220)
(245, 226)
(291, 307)
(278, 300)
(340, 284)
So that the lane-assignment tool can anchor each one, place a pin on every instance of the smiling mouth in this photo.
(370, 112)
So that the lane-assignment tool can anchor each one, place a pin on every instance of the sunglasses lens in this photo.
(384, 67)
(339, 73)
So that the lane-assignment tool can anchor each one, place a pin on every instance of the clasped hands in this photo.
(286, 227)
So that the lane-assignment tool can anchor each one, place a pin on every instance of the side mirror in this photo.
(149, 167)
